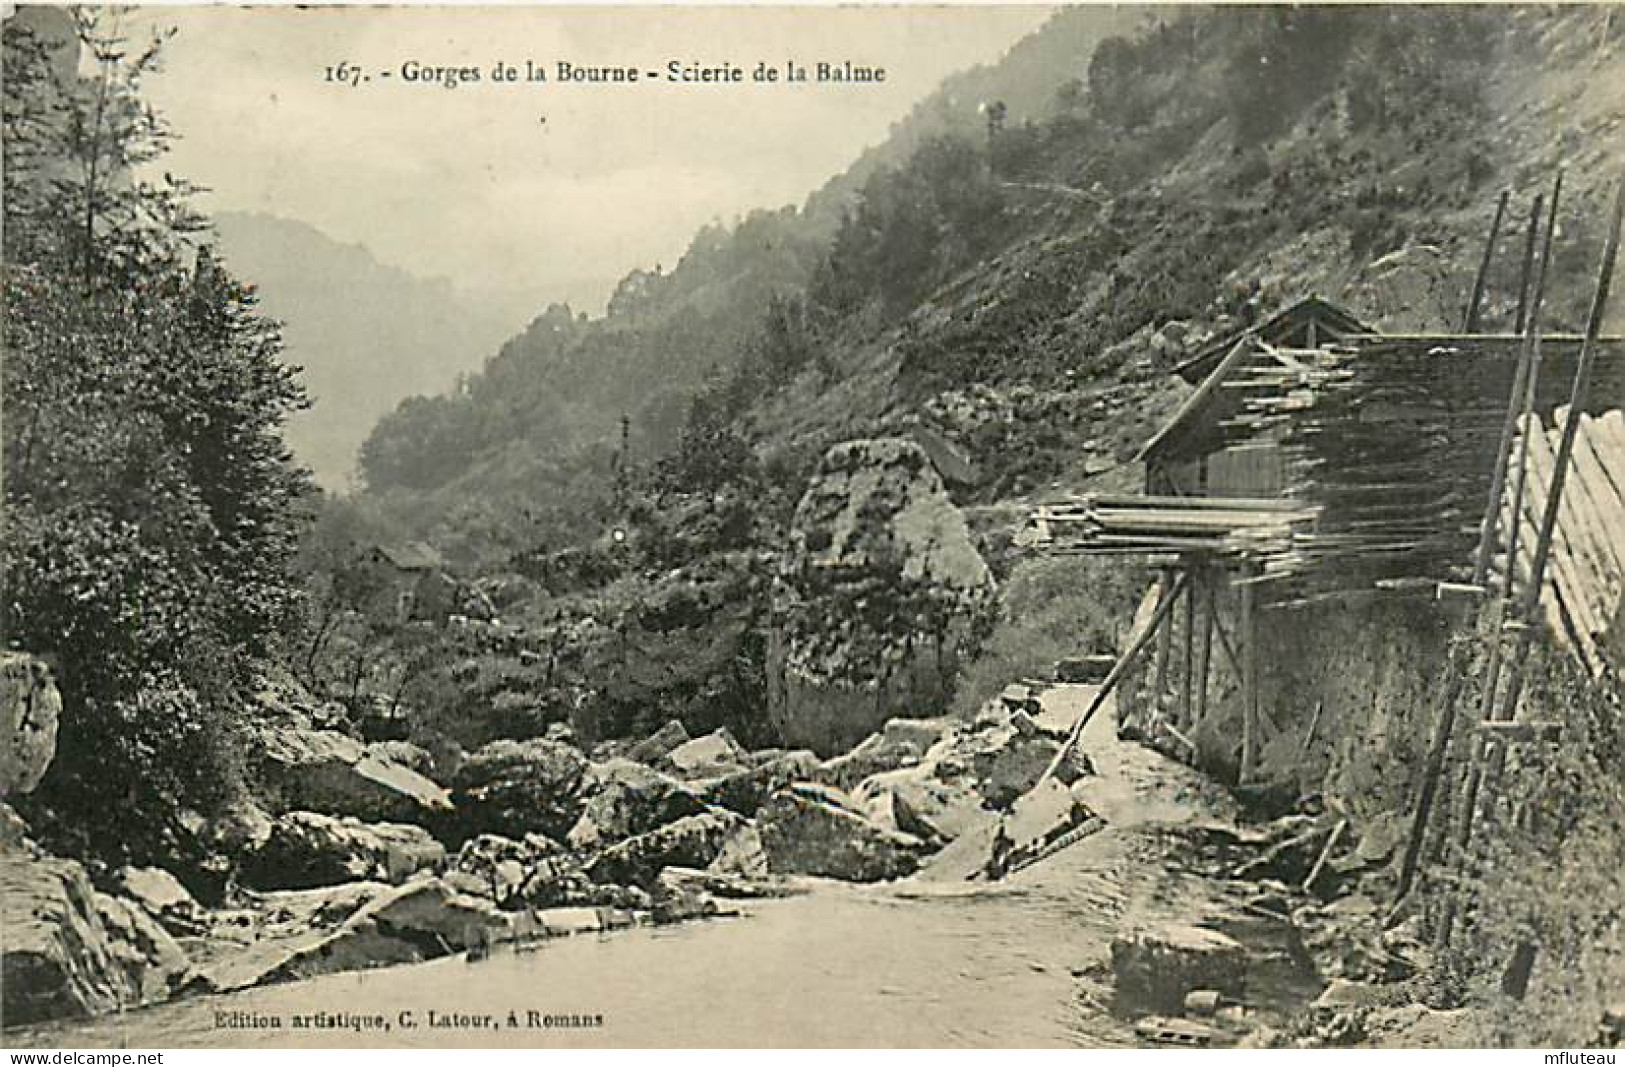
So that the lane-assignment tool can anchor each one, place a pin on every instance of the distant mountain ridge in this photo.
(367, 334)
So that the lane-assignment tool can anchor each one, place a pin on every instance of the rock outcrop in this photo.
(705, 757)
(694, 841)
(900, 743)
(70, 951)
(30, 707)
(881, 595)
(163, 897)
(533, 873)
(358, 927)
(1156, 969)
(745, 791)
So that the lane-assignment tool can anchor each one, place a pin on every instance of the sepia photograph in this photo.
(1086, 526)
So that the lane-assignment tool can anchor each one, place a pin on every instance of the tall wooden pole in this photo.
(1187, 674)
(1530, 237)
(1459, 664)
(1579, 396)
(1524, 418)
(1209, 608)
(1470, 320)
(1165, 641)
(1488, 768)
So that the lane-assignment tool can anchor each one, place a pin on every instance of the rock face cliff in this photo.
(878, 598)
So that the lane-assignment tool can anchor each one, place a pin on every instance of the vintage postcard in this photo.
(916, 526)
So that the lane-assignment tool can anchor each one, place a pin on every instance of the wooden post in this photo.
(1205, 650)
(1470, 321)
(1249, 670)
(1528, 262)
(1165, 639)
(1579, 395)
(1165, 606)
(1527, 378)
(1187, 674)
(1457, 667)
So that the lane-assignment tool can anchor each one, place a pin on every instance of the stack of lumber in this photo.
(1387, 446)
(1393, 447)
(1581, 601)
(1155, 524)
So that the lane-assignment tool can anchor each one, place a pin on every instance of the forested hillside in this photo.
(1200, 164)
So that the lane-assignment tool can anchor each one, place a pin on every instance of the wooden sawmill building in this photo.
(1311, 508)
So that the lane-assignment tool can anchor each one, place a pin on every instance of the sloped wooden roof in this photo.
(412, 556)
(1309, 323)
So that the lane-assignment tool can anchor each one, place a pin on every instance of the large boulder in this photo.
(657, 744)
(625, 799)
(694, 841)
(307, 849)
(413, 757)
(30, 707)
(913, 800)
(150, 961)
(333, 773)
(747, 789)
(706, 757)
(1155, 969)
(514, 875)
(14, 832)
(421, 920)
(881, 595)
(514, 788)
(70, 951)
(900, 743)
(163, 897)
(805, 830)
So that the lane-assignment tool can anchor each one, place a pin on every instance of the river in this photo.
(1017, 963)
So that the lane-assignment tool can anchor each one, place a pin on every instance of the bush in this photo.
(1051, 608)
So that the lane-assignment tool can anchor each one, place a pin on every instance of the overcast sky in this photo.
(472, 184)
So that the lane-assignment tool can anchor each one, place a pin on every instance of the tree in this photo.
(150, 500)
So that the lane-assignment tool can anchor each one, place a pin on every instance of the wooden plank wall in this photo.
(1582, 598)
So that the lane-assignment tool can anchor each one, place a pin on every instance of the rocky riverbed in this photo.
(1175, 924)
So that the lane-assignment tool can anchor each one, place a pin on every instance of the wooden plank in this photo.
(1568, 570)
(1109, 685)
(1165, 639)
(1605, 503)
